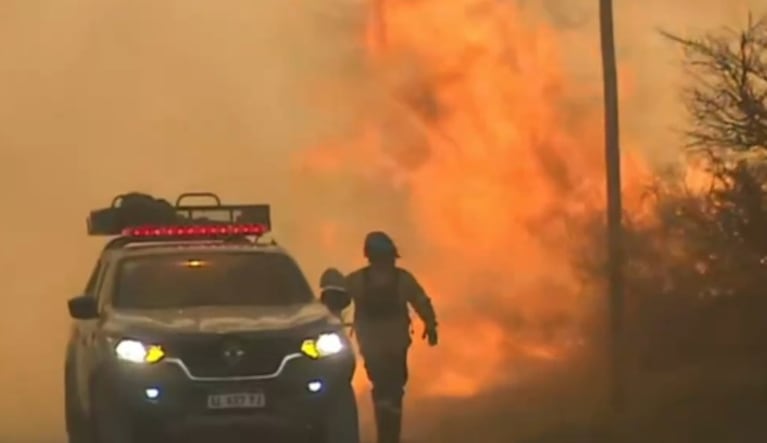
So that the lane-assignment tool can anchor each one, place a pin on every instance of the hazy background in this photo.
(248, 98)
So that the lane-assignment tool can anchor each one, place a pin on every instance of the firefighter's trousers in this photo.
(388, 373)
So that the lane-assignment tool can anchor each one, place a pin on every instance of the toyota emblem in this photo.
(233, 353)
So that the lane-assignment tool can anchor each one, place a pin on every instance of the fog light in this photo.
(152, 393)
(314, 386)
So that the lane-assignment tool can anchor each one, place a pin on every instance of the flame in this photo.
(494, 160)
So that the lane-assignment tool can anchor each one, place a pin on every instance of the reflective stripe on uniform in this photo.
(334, 288)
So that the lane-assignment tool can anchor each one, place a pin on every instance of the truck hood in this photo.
(220, 320)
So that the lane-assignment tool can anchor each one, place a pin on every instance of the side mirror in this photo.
(83, 307)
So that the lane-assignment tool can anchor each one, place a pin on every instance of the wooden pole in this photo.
(614, 206)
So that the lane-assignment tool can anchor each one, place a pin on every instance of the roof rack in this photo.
(142, 215)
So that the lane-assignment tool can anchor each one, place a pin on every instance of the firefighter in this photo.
(381, 293)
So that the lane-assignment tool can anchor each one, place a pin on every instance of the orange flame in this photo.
(492, 161)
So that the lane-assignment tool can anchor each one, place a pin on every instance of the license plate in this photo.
(249, 400)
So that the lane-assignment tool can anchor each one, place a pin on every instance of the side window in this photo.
(90, 287)
(103, 287)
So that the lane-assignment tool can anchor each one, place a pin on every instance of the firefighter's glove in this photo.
(430, 334)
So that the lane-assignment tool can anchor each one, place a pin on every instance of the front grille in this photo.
(220, 356)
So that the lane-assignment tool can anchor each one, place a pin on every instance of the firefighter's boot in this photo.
(388, 415)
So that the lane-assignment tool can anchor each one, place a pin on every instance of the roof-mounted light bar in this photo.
(142, 213)
(196, 231)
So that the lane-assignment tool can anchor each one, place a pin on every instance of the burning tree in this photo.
(727, 136)
(698, 273)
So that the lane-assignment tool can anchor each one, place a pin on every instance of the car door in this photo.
(85, 334)
(98, 353)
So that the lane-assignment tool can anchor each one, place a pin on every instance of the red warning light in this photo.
(199, 231)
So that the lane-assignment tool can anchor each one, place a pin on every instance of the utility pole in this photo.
(614, 207)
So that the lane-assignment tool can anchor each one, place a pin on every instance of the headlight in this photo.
(136, 352)
(325, 345)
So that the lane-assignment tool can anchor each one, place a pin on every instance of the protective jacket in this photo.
(381, 312)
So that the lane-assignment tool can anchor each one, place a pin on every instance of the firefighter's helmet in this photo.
(379, 244)
(333, 290)
(332, 279)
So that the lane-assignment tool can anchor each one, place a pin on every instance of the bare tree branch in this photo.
(727, 98)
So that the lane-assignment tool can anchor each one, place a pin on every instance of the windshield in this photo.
(210, 279)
